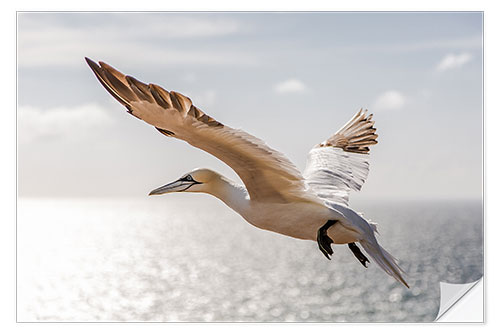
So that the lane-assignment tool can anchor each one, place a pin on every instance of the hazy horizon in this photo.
(291, 79)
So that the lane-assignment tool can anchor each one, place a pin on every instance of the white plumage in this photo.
(276, 196)
(332, 172)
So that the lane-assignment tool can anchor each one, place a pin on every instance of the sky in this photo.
(291, 79)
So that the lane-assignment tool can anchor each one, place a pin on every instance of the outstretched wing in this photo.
(268, 175)
(340, 164)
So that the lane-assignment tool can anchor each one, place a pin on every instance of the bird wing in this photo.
(340, 164)
(267, 174)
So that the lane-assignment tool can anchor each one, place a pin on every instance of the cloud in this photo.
(63, 123)
(472, 42)
(71, 53)
(452, 61)
(290, 86)
(389, 100)
(162, 39)
(125, 26)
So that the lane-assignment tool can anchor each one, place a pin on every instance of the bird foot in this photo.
(325, 242)
(358, 254)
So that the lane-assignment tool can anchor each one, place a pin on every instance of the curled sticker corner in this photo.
(451, 294)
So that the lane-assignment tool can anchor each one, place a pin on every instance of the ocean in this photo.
(190, 258)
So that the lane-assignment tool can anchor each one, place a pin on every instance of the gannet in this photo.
(275, 196)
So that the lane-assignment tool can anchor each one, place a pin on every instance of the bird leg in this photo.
(325, 242)
(358, 254)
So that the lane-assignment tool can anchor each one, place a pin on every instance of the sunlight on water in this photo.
(159, 259)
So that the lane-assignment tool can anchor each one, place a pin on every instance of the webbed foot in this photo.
(358, 254)
(325, 242)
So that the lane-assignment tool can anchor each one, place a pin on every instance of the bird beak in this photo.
(177, 186)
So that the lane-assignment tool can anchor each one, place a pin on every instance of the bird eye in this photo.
(189, 178)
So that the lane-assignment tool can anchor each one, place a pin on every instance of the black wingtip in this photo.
(95, 67)
(89, 61)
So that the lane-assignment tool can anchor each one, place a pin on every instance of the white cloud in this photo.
(451, 61)
(474, 42)
(125, 26)
(61, 123)
(160, 40)
(290, 86)
(71, 53)
(389, 100)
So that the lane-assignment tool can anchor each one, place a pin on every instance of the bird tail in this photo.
(384, 259)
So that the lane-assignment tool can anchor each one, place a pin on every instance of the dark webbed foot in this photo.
(358, 254)
(325, 242)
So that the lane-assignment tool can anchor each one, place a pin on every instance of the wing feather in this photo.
(340, 164)
(267, 174)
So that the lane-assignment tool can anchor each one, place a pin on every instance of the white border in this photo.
(7, 140)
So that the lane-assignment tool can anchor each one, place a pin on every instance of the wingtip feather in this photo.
(356, 135)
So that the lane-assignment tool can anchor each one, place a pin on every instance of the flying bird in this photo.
(312, 205)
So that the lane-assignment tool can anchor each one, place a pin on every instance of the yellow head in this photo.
(198, 180)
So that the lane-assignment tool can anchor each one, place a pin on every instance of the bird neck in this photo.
(233, 195)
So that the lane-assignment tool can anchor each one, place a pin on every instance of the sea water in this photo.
(180, 258)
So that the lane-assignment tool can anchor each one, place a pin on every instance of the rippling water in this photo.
(175, 259)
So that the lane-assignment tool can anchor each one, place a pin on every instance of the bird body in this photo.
(312, 205)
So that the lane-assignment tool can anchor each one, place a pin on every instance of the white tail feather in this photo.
(384, 259)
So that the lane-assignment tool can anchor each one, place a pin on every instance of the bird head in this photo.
(198, 180)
